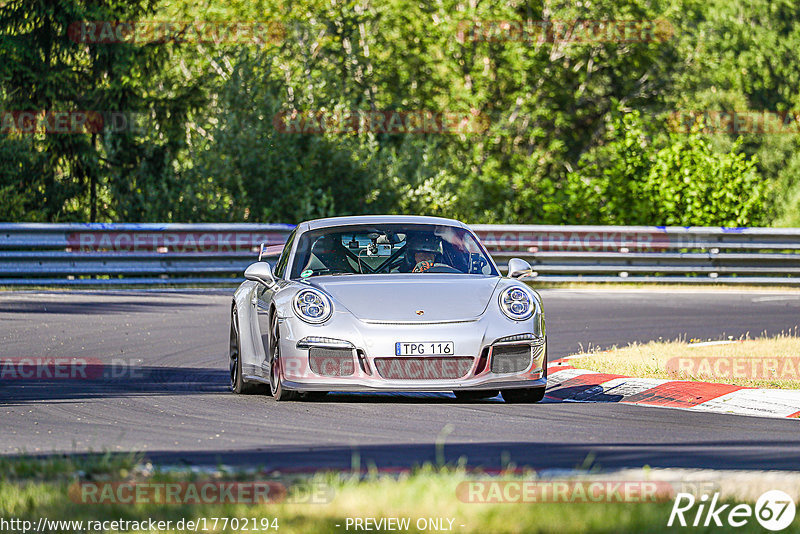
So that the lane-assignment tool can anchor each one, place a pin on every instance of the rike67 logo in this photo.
(774, 510)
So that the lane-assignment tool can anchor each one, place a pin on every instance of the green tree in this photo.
(97, 173)
(575, 128)
(641, 177)
(263, 173)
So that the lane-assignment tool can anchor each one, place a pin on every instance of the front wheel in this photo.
(527, 395)
(275, 372)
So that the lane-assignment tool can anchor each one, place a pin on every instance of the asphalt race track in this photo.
(175, 407)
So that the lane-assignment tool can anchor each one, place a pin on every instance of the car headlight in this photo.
(517, 303)
(312, 306)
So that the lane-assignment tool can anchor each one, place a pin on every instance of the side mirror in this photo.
(260, 272)
(518, 268)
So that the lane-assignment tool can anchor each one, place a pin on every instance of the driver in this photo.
(423, 251)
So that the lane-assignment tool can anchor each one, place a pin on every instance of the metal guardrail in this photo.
(131, 254)
(655, 254)
(158, 254)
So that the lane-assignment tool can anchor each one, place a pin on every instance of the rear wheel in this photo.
(275, 365)
(473, 395)
(238, 384)
(527, 395)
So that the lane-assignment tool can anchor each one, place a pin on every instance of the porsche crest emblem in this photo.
(420, 312)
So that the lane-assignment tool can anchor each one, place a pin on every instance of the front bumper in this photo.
(356, 386)
(370, 342)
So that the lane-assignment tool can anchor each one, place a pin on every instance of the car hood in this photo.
(400, 297)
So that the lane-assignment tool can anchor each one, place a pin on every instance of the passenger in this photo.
(330, 254)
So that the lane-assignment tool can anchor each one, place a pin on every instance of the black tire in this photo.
(238, 383)
(473, 395)
(527, 395)
(275, 373)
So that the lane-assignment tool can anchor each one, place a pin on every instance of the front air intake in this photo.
(428, 368)
(511, 358)
(331, 362)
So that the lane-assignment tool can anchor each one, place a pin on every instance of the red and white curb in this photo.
(566, 383)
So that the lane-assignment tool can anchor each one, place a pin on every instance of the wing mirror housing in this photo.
(260, 272)
(518, 268)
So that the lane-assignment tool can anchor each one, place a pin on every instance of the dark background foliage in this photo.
(576, 131)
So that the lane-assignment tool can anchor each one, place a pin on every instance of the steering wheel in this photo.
(430, 267)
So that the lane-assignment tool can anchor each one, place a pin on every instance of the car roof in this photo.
(377, 219)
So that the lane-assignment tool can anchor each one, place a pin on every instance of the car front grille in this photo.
(511, 358)
(331, 362)
(430, 368)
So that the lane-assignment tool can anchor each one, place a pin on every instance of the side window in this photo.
(280, 267)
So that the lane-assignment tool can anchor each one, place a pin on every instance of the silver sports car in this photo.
(387, 303)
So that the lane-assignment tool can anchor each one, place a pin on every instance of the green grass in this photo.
(775, 358)
(55, 467)
(28, 493)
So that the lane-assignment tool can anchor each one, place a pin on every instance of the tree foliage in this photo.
(577, 130)
(636, 177)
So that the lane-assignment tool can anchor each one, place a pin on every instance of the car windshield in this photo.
(390, 248)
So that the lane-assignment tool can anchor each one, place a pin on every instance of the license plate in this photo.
(423, 348)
